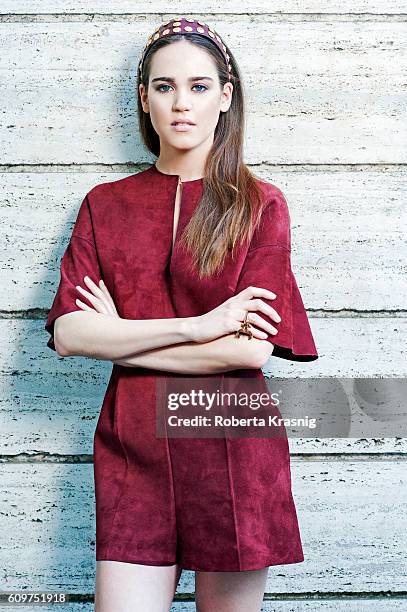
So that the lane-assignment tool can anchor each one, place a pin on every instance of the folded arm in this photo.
(103, 336)
(163, 344)
(220, 355)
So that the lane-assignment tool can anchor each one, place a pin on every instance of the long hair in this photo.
(231, 202)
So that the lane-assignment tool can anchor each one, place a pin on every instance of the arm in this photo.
(268, 264)
(144, 343)
(206, 345)
(220, 355)
(102, 336)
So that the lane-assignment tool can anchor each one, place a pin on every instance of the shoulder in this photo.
(274, 223)
(105, 197)
(275, 206)
(120, 187)
(273, 195)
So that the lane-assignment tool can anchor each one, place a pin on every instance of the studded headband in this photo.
(181, 25)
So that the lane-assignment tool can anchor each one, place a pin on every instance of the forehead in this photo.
(183, 57)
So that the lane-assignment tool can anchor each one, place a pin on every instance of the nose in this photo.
(181, 101)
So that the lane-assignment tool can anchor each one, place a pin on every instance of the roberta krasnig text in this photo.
(209, 401)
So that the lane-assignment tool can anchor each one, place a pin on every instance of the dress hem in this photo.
(196, 567)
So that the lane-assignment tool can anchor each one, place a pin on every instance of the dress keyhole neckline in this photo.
(198, 180)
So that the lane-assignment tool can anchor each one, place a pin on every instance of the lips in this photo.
(182, 121)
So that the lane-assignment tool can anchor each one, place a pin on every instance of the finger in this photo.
(97, 303)
(101, 295)
(262, 323)
(259, 292)
(258, 304)
(83, 305)
(93, 286)
(107, 294)
(256, 333)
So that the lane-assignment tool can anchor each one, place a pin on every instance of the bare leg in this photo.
(230, 591)
(131, 587)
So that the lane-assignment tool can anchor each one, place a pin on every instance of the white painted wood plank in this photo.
(288, 605)
(193, 8)
(66, 607)
(367, 347)
(317, 91)
(352, 347)
(349, 250)
(352, 520)
(64, 424)
(51, 404)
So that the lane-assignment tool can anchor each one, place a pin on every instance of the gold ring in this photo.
(244, 328)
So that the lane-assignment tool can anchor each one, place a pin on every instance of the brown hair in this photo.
(231, 202)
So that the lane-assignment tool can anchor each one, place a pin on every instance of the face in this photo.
(174, 93)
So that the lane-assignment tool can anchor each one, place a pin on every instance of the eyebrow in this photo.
(172, 79)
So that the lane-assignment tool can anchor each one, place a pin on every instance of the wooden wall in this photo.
(326, 88)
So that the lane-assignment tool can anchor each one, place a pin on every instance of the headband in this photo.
(181, 25)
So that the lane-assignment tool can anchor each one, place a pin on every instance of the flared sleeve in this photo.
(268, 264)
(79, 259)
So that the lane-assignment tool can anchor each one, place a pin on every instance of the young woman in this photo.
(190, 250)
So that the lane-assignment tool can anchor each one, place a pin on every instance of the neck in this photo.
(189, 166)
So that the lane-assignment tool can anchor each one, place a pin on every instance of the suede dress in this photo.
(208, 504)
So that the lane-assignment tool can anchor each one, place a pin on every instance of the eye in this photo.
(159, 87)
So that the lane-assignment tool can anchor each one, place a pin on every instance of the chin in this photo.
(183, 143)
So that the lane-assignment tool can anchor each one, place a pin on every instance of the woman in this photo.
(191, 250)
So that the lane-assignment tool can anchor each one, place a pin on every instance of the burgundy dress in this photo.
(213, 504)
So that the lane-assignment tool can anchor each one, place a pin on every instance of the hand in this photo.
(98, 296)
(227, 317)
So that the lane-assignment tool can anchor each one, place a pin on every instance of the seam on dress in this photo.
(94, 247)
(120, 494)
(262, 246)
(167, 446)
(232, 493)
(86, 239)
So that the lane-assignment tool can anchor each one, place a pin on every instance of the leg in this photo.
(131, 587)
(230, 591)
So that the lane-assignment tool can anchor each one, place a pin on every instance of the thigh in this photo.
(131, 587)
(230, 591)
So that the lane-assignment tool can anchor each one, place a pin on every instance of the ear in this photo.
(144, 98)
(226, 100)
